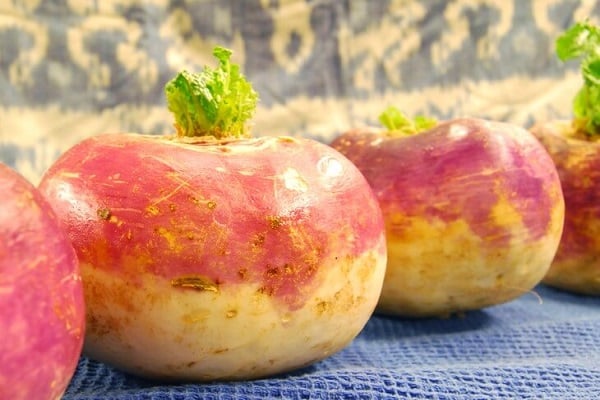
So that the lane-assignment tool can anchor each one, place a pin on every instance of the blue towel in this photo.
(544, 345)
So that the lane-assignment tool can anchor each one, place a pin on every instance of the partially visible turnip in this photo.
(575, 148)
(473, 210)
(41, 296)
(212, 255)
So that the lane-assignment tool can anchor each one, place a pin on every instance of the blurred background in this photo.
(70, 69)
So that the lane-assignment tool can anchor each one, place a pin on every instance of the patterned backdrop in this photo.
(71, 68)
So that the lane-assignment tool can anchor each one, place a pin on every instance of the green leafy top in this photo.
(582, 40)
(214, 102)
(398, 124)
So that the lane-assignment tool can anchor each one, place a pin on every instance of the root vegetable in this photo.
(213, 255)
(473, 210)
(575, 149)
(41, 297)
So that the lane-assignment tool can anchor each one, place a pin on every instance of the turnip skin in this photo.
(218, 260)
(473, 211)
(41, 296)
(576, 266)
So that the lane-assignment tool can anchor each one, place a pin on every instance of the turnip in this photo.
(575, 149)
(211, 255)
(41, 296)
(473, 210)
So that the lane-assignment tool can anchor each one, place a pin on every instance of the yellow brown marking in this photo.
(274, 221)
(104, 213)
(196, 282)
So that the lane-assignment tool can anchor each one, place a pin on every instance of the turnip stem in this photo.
(214, 102)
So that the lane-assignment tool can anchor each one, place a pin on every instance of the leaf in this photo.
(214, 102)
(423, 123)
(396, 122)
(393, 119)
(582, 40)
(571, 43)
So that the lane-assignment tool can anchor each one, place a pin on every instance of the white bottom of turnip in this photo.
(456, 270)
(238, 332)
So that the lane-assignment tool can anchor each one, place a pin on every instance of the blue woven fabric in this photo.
(545, 347)
(74, 69)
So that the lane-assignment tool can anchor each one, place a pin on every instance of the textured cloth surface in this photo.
(544, 345)
(72, 69)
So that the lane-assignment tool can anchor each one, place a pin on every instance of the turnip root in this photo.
(473, 211)
(576, 266)
(575, 148)
(207, 256)
(41, 296)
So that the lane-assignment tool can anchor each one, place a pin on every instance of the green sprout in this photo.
(397, 123)
(582, 40)
(214, 102)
